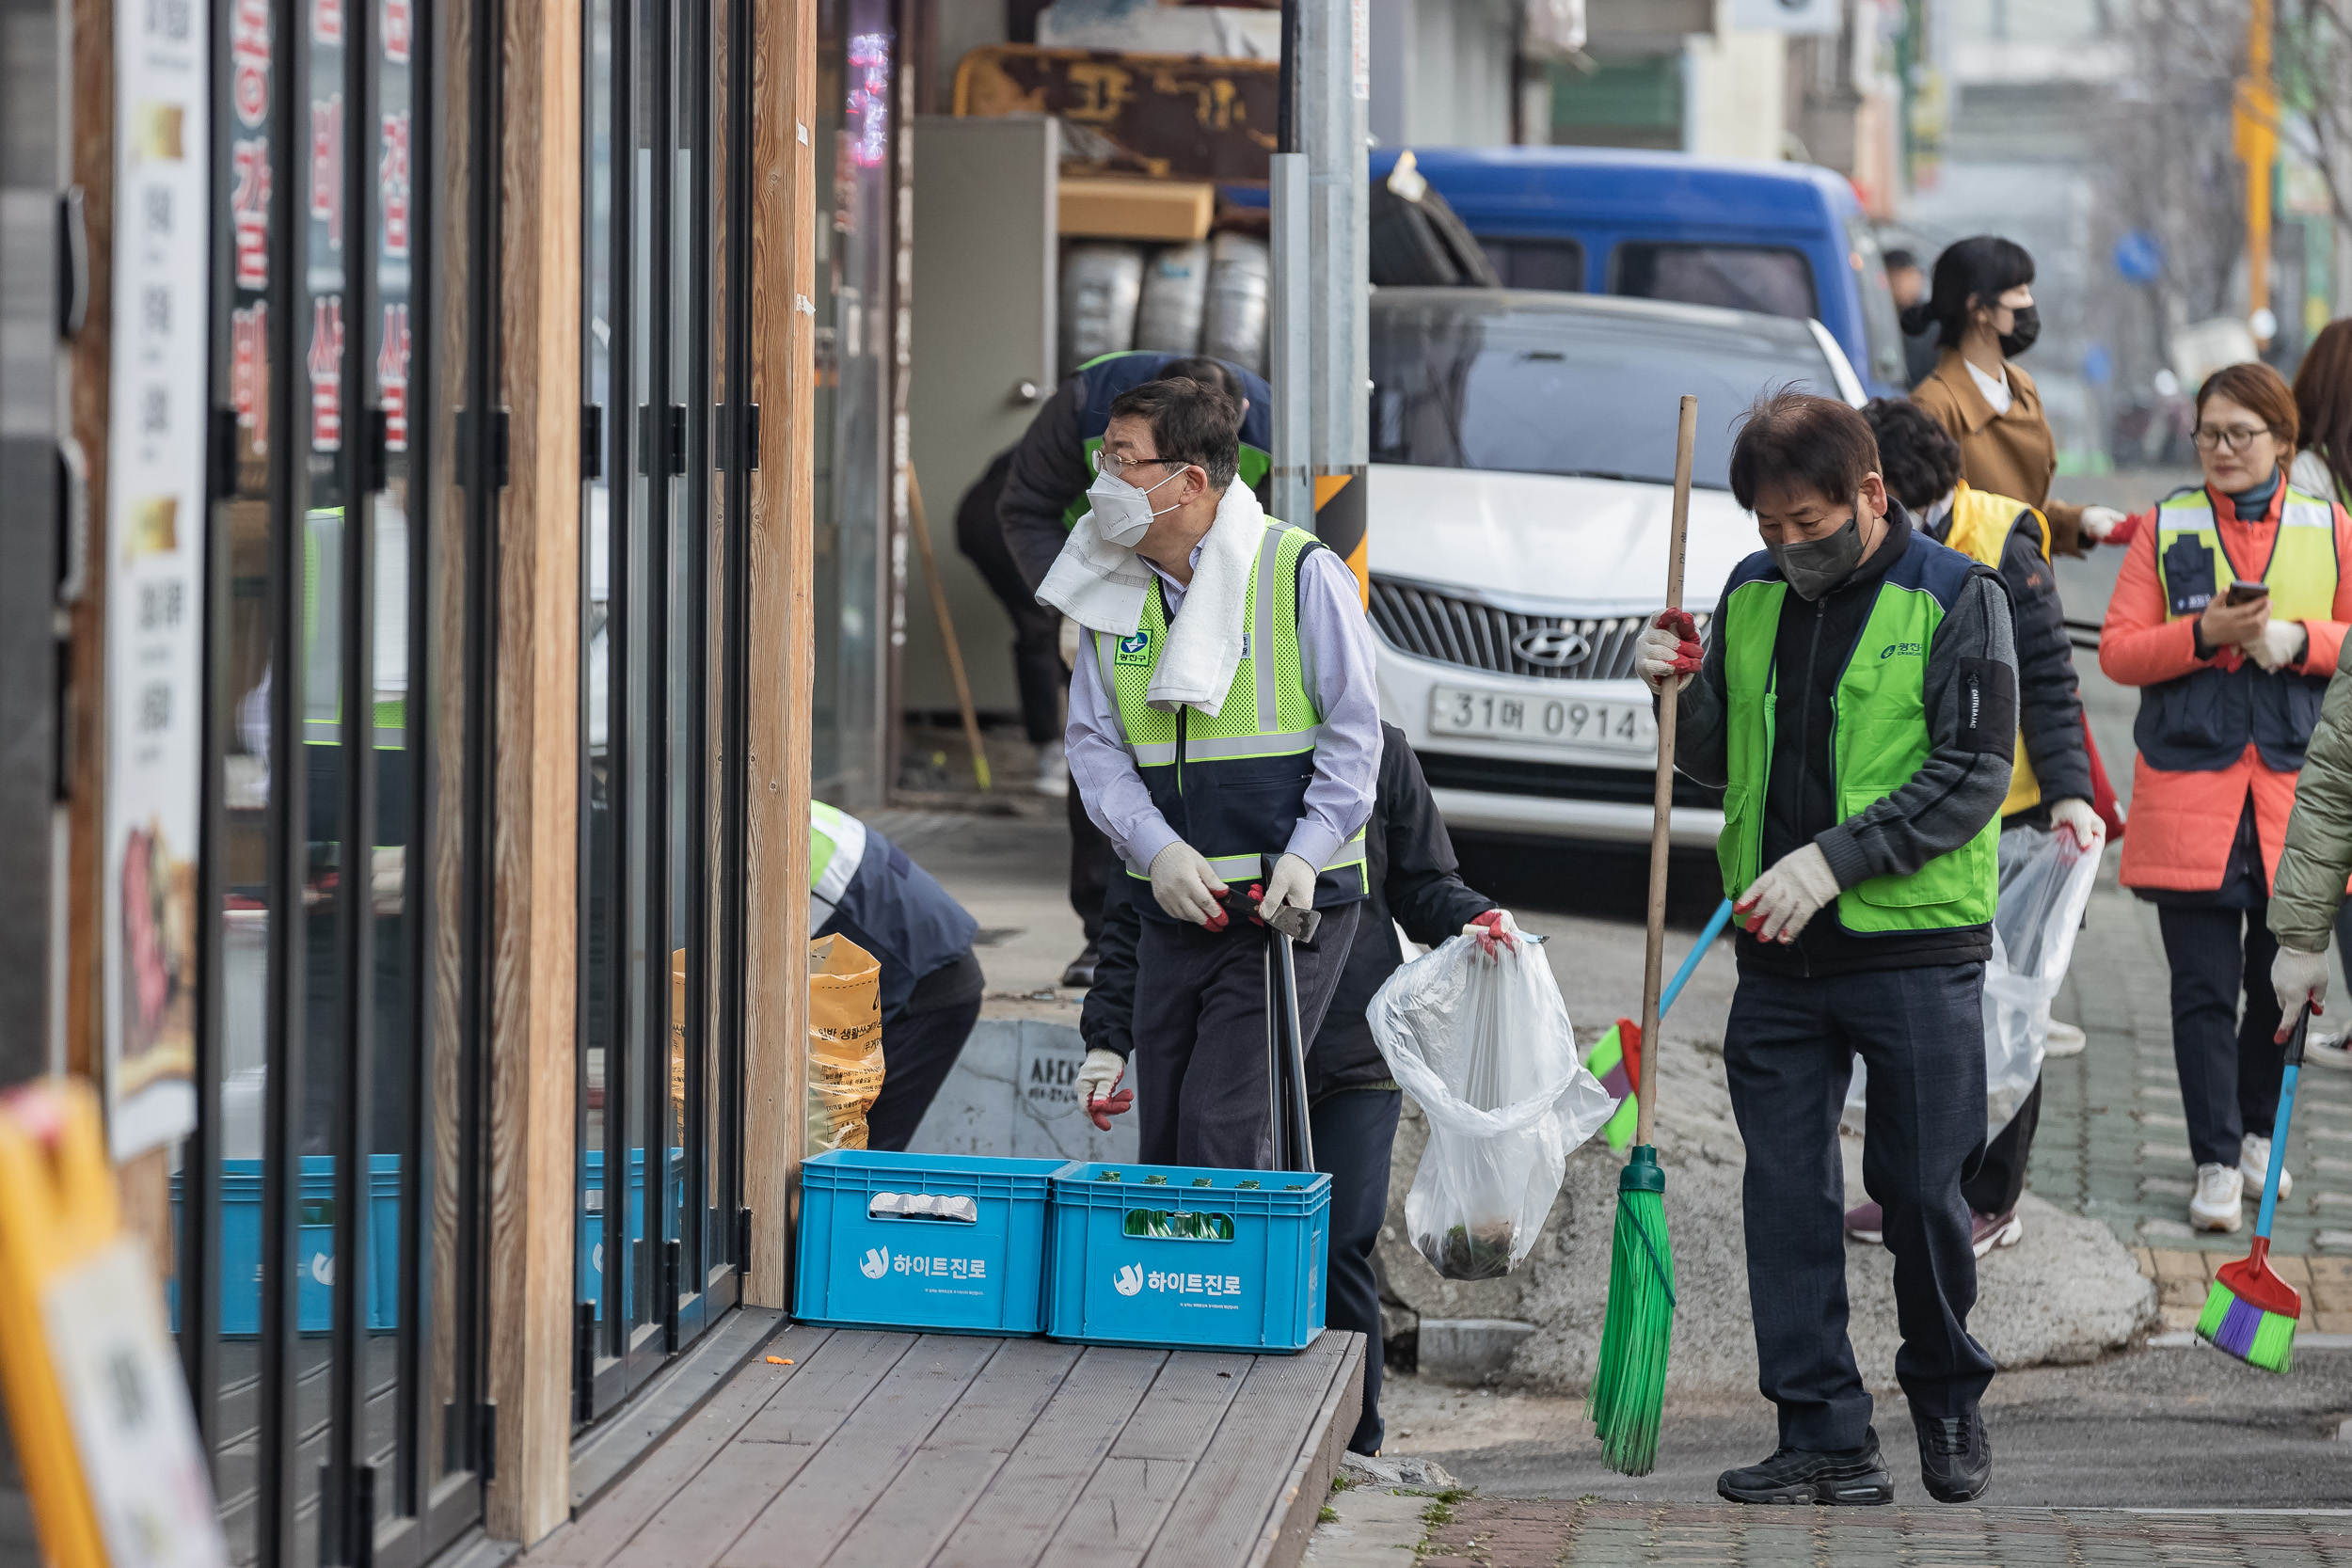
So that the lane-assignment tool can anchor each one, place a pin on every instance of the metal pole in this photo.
(1291, 365)
(1333, 77)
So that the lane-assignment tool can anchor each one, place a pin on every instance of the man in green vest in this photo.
(1224, 710)
(1856, 701)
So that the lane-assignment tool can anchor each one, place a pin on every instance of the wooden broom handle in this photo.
(1654, 958)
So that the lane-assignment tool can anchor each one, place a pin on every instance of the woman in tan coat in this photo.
(1982, 301)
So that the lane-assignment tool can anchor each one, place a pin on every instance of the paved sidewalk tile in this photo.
(2113, 1141)
(1509, 1534)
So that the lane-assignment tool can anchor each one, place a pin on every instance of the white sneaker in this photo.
(2253, 1167)
(2063, 1040)
(1053, 770)
(2220, 1191)
(2333, 1051)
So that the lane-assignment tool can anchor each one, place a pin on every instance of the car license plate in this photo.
(1498, 715)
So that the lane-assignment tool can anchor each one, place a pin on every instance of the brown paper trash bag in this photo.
(845, 1050)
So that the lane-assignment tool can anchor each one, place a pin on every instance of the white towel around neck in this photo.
(1101, 586)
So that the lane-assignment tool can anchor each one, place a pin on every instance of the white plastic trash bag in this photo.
(1485, 1047)
(2046, 879)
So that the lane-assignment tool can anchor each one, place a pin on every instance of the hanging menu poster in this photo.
(154, 568)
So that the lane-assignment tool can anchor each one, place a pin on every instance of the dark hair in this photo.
(2257, 389)
(1986, 267)
(1898, 259)
(1917, 458)
(1797, 439)
(1190, 423)
(2323, 398)
(1207, 369)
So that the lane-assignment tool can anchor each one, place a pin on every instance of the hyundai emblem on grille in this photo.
(1553, 647)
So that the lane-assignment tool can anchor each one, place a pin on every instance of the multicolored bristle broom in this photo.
(1615, 1058)
(2250, 1312)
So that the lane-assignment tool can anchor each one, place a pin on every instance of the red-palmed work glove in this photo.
(1496, 931)
(1778, 903)
(1098, 1076)
(2078, 818)
(1669, 651)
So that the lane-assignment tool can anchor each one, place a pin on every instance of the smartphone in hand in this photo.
(2242, 592)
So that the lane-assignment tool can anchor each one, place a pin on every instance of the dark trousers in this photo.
(1788, 1052)
(1355, 1130)
(2000, 1178)
(2229, 1067)
(919, 1050)
(1199, 1028)
(1093, 862)
(1037, 666)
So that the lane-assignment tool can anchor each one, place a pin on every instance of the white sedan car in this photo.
(1521, 486)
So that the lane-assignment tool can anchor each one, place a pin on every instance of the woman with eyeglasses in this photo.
(2228, 614)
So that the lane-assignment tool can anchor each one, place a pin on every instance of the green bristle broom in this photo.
(2250, 1312)
(1628, 1393)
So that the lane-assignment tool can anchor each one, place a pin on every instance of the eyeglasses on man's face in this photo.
(1110, 464)
(2237, 437)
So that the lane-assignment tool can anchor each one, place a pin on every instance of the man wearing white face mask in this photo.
(1223, 709)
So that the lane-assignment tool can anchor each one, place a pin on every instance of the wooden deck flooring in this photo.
(906, 1450)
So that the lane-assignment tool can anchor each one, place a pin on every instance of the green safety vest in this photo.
(1879, 737)
(2203, 721)
(1232, 785)
(836, 847)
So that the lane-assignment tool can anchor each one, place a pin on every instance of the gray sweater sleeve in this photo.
(1971, 694)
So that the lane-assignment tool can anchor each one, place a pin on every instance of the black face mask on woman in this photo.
(2018, 339)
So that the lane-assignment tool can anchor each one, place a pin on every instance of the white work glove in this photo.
(2100, 521)
(2282, 643)
(1098, 1075)
(1778, 903)
(1496, 931)
(1184, 885)
(2076, 818)
(1669, 650)
(2298, 978)
(1293, 883)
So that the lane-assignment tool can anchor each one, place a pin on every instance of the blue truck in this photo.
(1785, 239)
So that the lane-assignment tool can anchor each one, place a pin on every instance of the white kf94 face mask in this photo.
(1124, 513)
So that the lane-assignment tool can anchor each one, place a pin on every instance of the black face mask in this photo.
(1814, 566)
(2018, 339)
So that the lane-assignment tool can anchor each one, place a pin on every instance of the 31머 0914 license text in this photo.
(1626, 726)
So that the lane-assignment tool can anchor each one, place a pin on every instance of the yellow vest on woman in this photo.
(1981, 522)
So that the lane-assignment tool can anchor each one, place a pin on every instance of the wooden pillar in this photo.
(782, 628)
(535, 843)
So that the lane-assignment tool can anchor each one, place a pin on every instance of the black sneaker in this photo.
(1955, 1457)
(1080, 973)
(1856, 1479)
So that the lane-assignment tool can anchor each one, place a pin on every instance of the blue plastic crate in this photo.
(1178, 1255)
(954, 1243)
(590, 1230)
(312, 1254)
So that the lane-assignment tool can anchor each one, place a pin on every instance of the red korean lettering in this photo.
(399, 26)
(326, 21)
(392, 182)
(391, 376)
(248, 55)
(248, 210)
(248, 370)
(326, 167)
(327, 373)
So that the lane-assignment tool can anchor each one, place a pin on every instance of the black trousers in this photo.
(919, 1050)
(1354, 1131)
(2229, 1066)
(2000, 1178)
(1788, 1052)
(1199, 1026)
(1093, 862)
(1037, 666)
